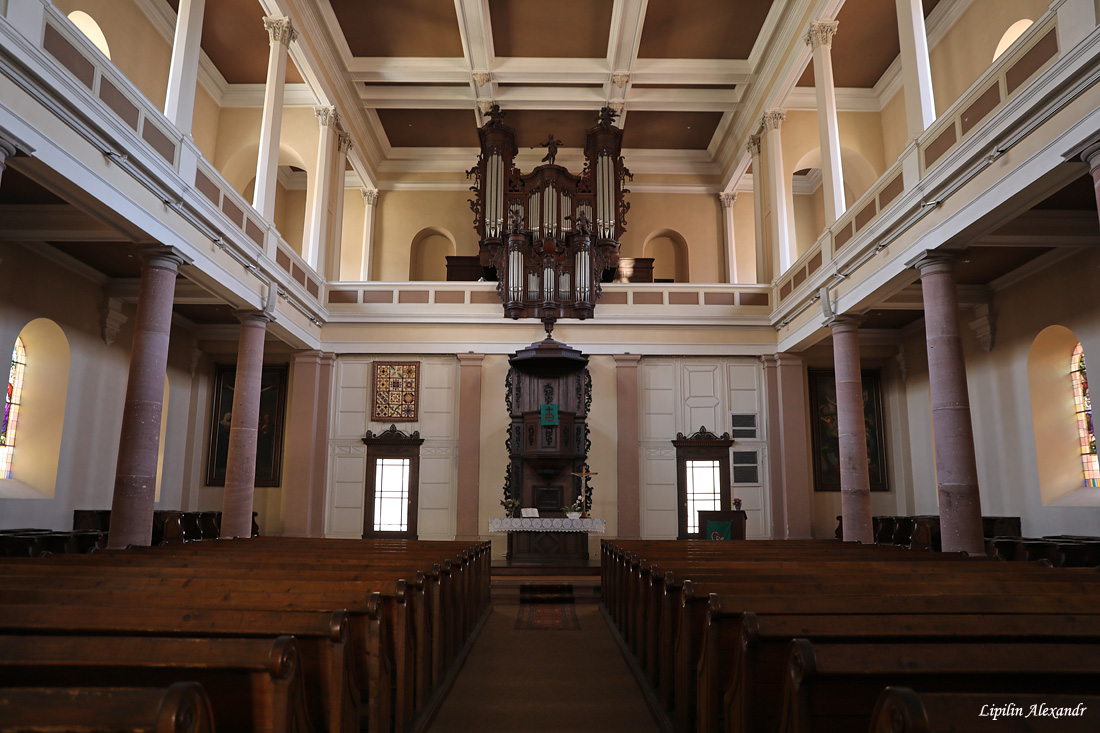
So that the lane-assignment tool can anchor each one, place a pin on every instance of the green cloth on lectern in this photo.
(718, 530)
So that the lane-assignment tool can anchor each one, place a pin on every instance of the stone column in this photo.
(183, 73)
(370, 208)
(626, 400)
(7, 150)
(763, 254)
(1091, 155)
(794, 442)
(334, 247)
(956, 466)
(240, 465)
(855, 484)
(281, 34)
(916, 69)
(322, 189)
(728, 199)
(820, 39)
(782, 245)
(306, 443)
(139, 441)
(468, 492)
(775, 449)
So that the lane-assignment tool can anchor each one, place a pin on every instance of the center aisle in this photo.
(544, 680)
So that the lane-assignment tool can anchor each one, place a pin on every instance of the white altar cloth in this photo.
(547, 524)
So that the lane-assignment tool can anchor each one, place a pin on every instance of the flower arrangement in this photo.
(510, 506)
(736, 504)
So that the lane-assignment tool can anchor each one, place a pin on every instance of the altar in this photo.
(547, 541)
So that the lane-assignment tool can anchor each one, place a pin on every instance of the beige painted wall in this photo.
(1001, 405)
(351, 238)
(894, 133)
(967, 49)
(32, 287)
(744, 230)
(697, 218)
(402, 215)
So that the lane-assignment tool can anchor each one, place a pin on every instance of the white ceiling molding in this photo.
(476, 33)
(293, 180)
(763, 38)
(252, 95)
(689, 72)
(848, 99)
(808, 184)
(163, 18)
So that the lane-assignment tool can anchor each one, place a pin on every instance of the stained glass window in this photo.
(1083, 405)
(10, 420)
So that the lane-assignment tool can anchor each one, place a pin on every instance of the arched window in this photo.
(1014, 32)
(1083, 405)
(12, 398)
(87, 25)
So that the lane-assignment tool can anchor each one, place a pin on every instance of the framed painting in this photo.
(395, 391)
(269, 438)
(825, 435)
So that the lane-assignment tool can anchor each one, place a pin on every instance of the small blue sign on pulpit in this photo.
(549, 414)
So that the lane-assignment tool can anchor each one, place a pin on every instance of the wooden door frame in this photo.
(392, 443)
(700, 446)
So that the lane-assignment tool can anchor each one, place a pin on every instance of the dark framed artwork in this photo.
(395, 391)
(269, 438)
(825, 431)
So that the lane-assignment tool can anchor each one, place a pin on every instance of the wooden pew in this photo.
(834, 687)
(903, 710)
(182, 707)
(331, 684)
(253, 684)
(754, 661)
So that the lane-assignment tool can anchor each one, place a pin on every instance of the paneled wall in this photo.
(682, 395)
(347, 455)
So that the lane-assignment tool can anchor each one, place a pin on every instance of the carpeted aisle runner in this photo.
(520, 678)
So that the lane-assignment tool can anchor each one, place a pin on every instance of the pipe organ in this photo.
(549, 236)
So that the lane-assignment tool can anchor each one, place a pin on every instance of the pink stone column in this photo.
(775, 459)
(306, 444)
(855, 484)
(139, 440)
(1092, 157)
(7, 150)
(240, 464)
(794, 441)
(626, 399)
(956, 466)
(469, 447)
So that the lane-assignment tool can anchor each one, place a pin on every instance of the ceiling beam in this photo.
(1044, 228)
(54, 223)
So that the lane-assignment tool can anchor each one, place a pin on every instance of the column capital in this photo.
(370, 195)
(753, 146)
(844, 323)
(785, 359)
(7, 150)
(279, 30)
(343, 143)
(626, 361)
(768, 361)
(327, 116)
(773, 119)
(727, 199)
(306, 357)
(820, 33)
(168, 258)
(933, 261)
(248, 316)
(470, 360)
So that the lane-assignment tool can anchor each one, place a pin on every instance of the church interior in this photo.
(492, 295)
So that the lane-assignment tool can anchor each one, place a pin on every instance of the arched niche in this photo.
(668, 248)
(428, 254)
(41, 414)
(1010, 36)
(87, 25)
(1053, 417)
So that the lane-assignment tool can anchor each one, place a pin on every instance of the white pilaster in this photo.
(370, 207)
(183, 74)
(322, 190)
(763, 256)
(820, 39)
(727, 200)
(916, 70)
(782, 242)
(334, 250)
(280, 33)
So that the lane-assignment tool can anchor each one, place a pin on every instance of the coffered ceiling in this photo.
(422, 72)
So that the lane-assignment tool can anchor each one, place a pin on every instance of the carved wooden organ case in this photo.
(549, 235)
(547, 463)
